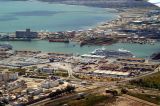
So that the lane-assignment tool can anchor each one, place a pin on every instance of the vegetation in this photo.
(21, 71)
(89, 100)
(62, 74)
(150, 98)
(59, 92)
(92, 100)
(32, 68)
(152, 81)
(4, 102)
(101, 79)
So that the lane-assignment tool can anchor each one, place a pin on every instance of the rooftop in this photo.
(108, 72)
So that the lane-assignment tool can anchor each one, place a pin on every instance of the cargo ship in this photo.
(59, 40)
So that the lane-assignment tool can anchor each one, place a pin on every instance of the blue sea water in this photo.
(18, 15)
(138, 50)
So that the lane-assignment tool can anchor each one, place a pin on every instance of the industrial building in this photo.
(26, 34)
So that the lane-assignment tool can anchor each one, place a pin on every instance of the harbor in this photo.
(126, 30)
(138, 50)
(66, 54)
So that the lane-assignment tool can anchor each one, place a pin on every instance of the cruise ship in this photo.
(120, 53)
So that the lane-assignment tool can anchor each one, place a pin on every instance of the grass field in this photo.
(151, 81)
(149, 98)
(91, 100)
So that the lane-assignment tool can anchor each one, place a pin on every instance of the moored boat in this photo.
(112, 53)
(59, 40)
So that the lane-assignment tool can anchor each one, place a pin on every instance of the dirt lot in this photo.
(126, 101)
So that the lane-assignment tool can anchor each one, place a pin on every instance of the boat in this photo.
(120, 53)
(6, 46)
(15, 39)
(59, 40)
(123, 50)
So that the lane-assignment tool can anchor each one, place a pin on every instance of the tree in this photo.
(69, 88)
(53, 94)
(124, 91)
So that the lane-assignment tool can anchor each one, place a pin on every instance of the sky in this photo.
(156, 2)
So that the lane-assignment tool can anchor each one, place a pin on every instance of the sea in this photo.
(42, 16)
(139, 50)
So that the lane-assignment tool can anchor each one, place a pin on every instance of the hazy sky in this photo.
(155, 1)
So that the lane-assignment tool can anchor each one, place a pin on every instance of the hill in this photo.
(152, 81)
(106, 3)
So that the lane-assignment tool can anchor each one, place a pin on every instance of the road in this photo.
(141, 76)
(102, 86)
(71, 96)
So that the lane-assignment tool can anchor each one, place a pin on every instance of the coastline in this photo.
(120, 13)
(81, 16)
(101, 65)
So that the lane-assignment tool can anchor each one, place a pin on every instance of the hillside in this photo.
(152, 81)
(106, 3)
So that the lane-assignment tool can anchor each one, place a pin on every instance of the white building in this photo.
(112, 73)
(49, 84)
(35, 91)
(46, 70)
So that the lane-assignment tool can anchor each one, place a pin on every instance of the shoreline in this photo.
(71, 27)
(116, 16)
(120, 15)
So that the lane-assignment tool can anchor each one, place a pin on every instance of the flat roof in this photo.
(135, 63)
(132, 58)
(92, 56)
(112, 72)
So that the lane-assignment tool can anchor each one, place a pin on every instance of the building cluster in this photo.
(130, 27)
(17, 90)
(42, 75)
(8, 76)
(24, 58)
(23, 35)
(139, 40)
(49, 84)
(5, 51)
(45, 72)
(115, 68)
(144, 26)
(26, 34)
(16, 85)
